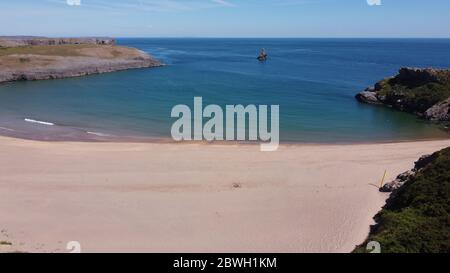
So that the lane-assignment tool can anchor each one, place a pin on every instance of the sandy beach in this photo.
(144, 197)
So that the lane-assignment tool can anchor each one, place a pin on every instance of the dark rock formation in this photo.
(369, 97)
(398, 182)
(423, 162)
(413, 77)
(439, 111)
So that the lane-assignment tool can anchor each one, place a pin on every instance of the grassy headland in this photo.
(60, 58)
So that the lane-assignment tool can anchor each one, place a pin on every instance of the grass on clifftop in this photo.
(69, 51)
(61, 50)
(417, 220)
(39, 57)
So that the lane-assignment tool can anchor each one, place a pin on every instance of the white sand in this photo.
(122, 197)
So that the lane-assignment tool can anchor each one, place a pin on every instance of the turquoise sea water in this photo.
(313, 80)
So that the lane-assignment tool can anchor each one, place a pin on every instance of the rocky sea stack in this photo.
(424, 92)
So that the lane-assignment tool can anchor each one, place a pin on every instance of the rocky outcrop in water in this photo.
(424, 92)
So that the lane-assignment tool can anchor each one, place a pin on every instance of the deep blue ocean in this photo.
(313, 80)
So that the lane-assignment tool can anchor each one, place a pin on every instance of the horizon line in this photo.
(218, 37)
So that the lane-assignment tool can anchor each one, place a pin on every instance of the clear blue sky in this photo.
(226, 18)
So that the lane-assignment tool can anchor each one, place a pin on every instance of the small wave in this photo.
(39, 122)
(99, 134)
(7, 129)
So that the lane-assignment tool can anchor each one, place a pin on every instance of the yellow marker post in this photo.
(382, 180)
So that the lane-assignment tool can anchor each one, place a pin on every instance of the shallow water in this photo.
(313, 80)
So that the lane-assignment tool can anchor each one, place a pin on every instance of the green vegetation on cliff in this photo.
(416, 219)
(424, 92)
(415, 90)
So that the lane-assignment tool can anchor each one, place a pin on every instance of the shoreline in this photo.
(148, 197)
(113, 139)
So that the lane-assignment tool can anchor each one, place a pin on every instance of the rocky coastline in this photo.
(44, 58)
(423, 92)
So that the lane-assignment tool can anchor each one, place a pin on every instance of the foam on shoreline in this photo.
(39, 122)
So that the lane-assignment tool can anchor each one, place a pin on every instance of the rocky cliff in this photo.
(424, 92)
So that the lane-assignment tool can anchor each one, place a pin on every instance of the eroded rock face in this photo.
(369, 97)
(398, 182)
(78, 69)
(424, 161)
(401, 179)
(439, 112)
